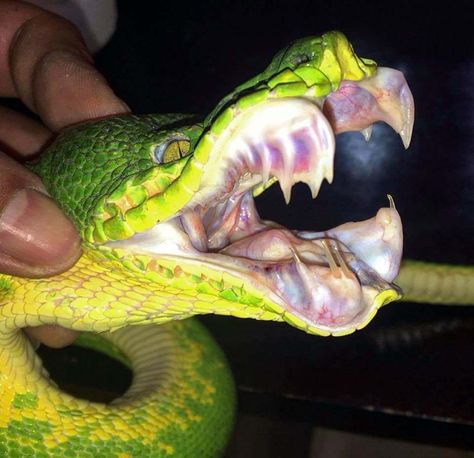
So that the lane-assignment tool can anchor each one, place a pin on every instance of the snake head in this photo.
(182, 211)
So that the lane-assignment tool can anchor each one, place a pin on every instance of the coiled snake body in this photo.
(165, 209)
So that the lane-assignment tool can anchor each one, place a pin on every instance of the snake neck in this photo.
(173, 364)
(106, 291)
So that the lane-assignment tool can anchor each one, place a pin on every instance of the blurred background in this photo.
(404, 385)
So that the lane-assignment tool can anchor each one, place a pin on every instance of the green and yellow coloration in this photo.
(165, 209)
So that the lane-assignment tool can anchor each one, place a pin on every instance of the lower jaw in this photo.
(267, 271)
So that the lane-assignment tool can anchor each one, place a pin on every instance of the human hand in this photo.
(45, 63)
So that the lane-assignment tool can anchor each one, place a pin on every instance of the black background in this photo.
(413, 360)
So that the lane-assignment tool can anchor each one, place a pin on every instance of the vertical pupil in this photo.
(175, 150)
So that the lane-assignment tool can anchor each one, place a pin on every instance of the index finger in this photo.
(44, 62)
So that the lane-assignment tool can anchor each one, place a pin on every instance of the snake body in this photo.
(164, 206)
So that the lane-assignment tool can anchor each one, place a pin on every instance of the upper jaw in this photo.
(291, 139)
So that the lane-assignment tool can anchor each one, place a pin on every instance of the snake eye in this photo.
(171, 150)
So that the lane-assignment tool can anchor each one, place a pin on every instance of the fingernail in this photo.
(34, 230)
(126, 107)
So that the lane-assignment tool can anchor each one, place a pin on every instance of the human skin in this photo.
(45, 63)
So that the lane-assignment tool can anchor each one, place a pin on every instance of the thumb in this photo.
(36, 238)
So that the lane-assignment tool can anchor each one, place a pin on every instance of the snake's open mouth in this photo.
(325, 282)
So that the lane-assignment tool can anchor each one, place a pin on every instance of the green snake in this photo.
(164, 205)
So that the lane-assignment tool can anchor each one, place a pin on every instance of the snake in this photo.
(164, 204)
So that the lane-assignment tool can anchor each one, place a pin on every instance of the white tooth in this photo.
(366, 133)
(194, 227)
(406, 138)
(304, 273)
(405, 135)
(314, 185)
(328, 169)
(408, 114)
(316, 178)
(324, 148)
(391, 202)
(288, 154)
(286, 189)
(265, 158)
(286, 176)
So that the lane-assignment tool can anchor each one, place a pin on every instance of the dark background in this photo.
(410, 373)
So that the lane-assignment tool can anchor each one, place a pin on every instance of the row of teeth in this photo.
(309, 139)
(321, 155)
(367, 133)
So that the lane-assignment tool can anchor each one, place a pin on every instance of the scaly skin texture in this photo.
(145, 193)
